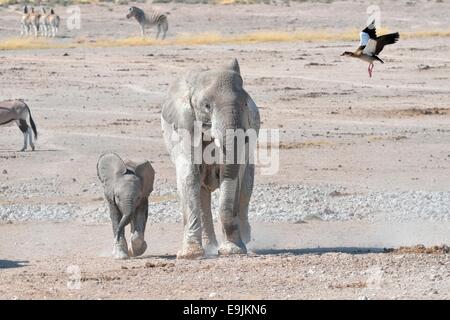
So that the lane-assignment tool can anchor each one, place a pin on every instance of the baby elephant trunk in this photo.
(127, 209)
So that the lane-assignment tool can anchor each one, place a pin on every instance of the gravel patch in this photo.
(270, 203)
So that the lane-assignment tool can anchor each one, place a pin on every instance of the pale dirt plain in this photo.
(385, 135)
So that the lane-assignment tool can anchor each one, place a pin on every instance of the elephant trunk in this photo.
(127, 209)
(230, 177)
(229, 199)
(226, 130)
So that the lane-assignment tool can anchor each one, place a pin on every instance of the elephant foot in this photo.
(245, 231)
(229, 248)
(191, 251)
(120, 251)
(138, 247)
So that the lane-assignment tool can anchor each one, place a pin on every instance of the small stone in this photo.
(4, 171)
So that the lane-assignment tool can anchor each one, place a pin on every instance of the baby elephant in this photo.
(127, 188)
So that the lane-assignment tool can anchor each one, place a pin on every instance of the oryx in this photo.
(18, 111)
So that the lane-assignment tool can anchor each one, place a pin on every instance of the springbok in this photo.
(18, 111)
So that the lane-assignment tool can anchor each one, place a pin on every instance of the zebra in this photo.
(25, 22)
(18, 111)
(52, 24)
(33, 21)
(149, 20)
(43, 22)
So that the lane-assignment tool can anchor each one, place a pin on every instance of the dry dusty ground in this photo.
(286, 261)
(389, 133)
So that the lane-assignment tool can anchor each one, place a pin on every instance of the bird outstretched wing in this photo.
(374, 47)
(370, 47)
(363, 39)
(371, 30)
(385, 40)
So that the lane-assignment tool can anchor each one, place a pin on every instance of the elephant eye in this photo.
(207, 106)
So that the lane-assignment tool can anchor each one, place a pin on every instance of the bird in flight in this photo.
(371, 45)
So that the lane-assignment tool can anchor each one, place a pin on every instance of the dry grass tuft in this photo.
(209, 39)
(125, 42)
(27, 43)
(261, 36)
(424, 34)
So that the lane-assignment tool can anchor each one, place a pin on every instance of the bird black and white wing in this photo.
(385, 40)
(374, 47)
(363, 39)
(370, 47)
(371, 30)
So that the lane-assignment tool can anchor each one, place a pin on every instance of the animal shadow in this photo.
(319, 250)
(9, 264)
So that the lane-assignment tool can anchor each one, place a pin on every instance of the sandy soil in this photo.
(389, 133)
(286, 261)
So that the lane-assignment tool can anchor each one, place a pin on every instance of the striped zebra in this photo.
(149, 20)
(25, 22)
(52, 24)
(49, 23)
(33, 21)
(43, 22)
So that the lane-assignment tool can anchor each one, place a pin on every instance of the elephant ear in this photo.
(253, 114)
(233, 65)
(177, 109)
(110, 166)
(146, 173)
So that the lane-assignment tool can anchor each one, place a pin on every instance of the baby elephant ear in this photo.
(146, 173)
(110, 166)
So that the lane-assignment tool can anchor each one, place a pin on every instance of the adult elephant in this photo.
(204, 110)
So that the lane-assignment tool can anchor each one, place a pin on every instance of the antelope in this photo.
(18, 111)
